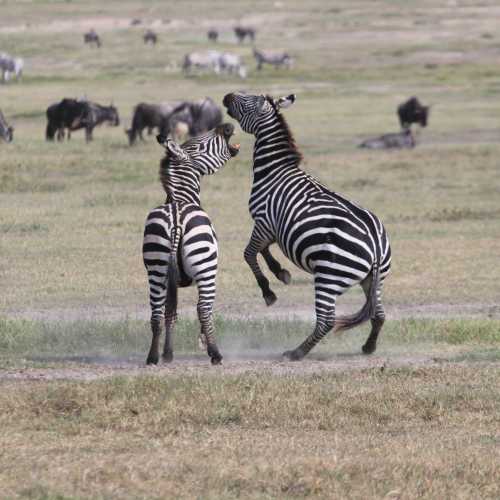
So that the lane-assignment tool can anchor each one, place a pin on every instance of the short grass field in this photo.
(80, 414)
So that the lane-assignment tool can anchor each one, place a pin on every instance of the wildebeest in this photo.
(213, 35)
(242, 32)
(150, 116)
(10, 66)
(6, 131)
(200, 116)
(274, 58)
(150, 37)
(73, 114)
(91, 37)
(412, 111)
(209, 60)
(403, 139)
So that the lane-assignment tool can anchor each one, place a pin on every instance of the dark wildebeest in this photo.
(135, 22)
(200, 116)
(213, 35)
(403, 139)
(274, 58)
(6, 131)
(73, 114)
(412, 111)
(150, 37)
(150, 116)
(91, 37)
(242, 32)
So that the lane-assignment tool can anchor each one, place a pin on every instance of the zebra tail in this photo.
(173, 272)
(366, 312)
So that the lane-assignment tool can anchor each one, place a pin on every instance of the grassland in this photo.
(81, 417)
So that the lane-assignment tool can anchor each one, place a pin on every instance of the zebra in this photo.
(11, 66)
(274, 58)
(6, 131)
(180, 245)
(319, 230)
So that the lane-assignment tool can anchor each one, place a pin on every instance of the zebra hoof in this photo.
(285, 276)
(152, 359)
(168, 357)
(216, 360)
(295, 355)
(270, 298)
(369, 348)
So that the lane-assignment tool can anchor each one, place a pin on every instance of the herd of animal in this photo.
(181, 119)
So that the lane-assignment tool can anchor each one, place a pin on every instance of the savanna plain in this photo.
(80, 414)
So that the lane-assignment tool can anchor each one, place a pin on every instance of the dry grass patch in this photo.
(430, 433)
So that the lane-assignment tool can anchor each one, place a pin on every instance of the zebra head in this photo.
(207, 153)
(250, 110)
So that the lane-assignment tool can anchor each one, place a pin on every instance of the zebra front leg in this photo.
(325, 319)
(275, 267)
(255, 246)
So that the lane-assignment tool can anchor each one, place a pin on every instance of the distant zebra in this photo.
(320, 231)
(91, 37)
(180, 245)
(11, 66)
(274, 58)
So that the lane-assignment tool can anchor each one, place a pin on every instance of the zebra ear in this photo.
(285, 102)
(171, 146)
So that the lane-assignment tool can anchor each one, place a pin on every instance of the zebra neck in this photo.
(275, 147)
(181, 186)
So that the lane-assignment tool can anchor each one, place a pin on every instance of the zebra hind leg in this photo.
(154, 350)
(325, 318)
(275, 267)
(377, 319)
(205, 316)
(168, 350)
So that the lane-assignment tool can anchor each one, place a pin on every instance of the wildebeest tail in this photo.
(366, 312)
(172, 273)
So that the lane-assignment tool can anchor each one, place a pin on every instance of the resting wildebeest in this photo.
(92, 37)
(412, 111)
(73, 114)
(212, 35)
(150, 37)
(403, 139)
(10, 66)
(242, 32)
(274, 58)
(6, 131)
(150, 116)
(200, 116)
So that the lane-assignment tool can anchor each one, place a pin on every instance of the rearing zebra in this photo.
(180, 245)
(322, 232)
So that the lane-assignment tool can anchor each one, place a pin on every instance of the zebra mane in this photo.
(291, 139)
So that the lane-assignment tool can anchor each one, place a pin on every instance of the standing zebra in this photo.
(320, 231)
(180, 244)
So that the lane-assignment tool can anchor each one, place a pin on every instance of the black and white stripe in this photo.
(180, 245)
(322, 232)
